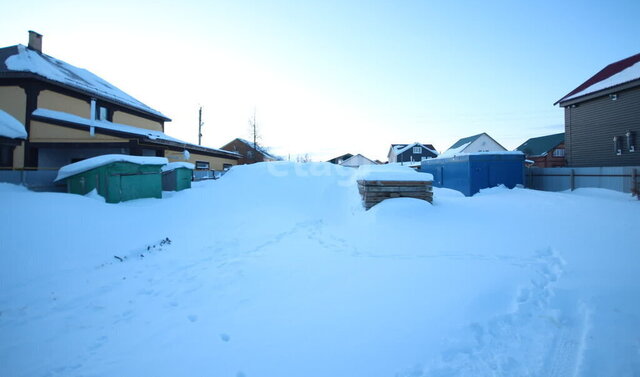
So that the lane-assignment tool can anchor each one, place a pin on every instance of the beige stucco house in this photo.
(70, 114)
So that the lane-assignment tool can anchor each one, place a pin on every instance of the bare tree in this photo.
(303, 158)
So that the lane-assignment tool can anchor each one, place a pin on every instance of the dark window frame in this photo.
(200, 164)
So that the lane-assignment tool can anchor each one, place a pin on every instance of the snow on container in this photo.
(116, 177)
(177, 176)
(471, 172)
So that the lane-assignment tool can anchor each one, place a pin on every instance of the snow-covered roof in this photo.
(10, 127)
(20, 59)
(454, 150)
(401, 148)
(390, 172)
(177, 165)
(95, 162)
(620, 72)
(71, 118)
(459, 146)
(124, 128)
(540, 146)
(358, 160)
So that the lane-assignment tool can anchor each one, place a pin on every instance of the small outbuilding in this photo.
(115, 177)
(177, 176)
(469, 173)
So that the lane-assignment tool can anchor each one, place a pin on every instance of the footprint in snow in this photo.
(192, 317)
(225, 337)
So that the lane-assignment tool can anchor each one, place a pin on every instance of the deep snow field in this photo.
(276, 270)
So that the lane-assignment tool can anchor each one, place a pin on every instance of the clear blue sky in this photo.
(331, 77)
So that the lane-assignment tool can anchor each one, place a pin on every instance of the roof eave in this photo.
(194, 148)
(598, 93)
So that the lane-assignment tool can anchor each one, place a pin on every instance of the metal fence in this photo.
(200, 175)
(623, 178)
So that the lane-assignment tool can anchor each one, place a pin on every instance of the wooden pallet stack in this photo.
(375, 191)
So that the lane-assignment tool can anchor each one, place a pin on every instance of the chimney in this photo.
(35, 41)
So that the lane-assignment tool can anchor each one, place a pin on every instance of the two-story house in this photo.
(410, 153)
(70, 114)
(602, 117)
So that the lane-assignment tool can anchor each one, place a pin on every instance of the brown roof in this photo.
(604, 74)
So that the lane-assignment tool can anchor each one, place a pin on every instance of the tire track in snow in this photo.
(534, 340)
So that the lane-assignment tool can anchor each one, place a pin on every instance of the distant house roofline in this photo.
(541, 145)
(401, 148)
(470, 139)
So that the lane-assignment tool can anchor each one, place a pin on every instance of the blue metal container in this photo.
(471, 172)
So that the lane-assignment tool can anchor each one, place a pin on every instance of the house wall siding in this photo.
(42, 132)
(136, 121)
(408, 155)
(591, 126)
(215, 163)
(13, 100)
(51, 100)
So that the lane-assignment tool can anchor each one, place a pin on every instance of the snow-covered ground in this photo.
(276, 270)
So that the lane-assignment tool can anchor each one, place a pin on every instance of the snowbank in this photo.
(95, 162)
(10, 127)
(276, 270)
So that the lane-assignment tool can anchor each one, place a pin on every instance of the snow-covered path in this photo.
(290, 277)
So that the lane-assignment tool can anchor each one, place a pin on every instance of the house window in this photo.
(249, 154)
(617, 145)
(558, 152)
(631, 141)
(6, 156)
(226, 167)
(102, 113)
(202, 165)
(417, 150)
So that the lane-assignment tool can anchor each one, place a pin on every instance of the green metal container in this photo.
(119, 181)
(177, 179)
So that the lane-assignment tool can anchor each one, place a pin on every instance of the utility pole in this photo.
(200, 126)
